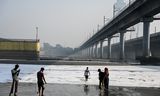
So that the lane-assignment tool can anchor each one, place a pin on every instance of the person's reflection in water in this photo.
(101, 93)
(104, 93)
(86, 89)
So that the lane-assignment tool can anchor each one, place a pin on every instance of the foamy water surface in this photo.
(137, 76)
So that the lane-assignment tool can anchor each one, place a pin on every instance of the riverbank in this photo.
(66, 62)
(51, 89)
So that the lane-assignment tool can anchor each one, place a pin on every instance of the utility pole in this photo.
(104, 20)
(98, 27)
(130, 35)
(137, 30)
(129, 2)
(93, 31)
(36, 33)
(155, 29)
(114, 10)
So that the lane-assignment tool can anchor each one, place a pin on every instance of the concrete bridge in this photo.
(139, 11)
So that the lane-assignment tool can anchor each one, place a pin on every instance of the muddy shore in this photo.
(30, 89)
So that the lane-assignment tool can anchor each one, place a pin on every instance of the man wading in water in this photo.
(86, 74)
(106, 78)
(101, 76)
(41, 80)
(15, 74)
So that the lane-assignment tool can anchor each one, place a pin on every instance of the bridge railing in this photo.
(124, 8)
(119, 12)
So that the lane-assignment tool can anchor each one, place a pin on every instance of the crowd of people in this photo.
(103, 79)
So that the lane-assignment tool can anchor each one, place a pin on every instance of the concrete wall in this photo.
(27, 55)
(19, 49)
(133, 48)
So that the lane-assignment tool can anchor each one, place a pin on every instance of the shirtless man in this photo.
(41, 80)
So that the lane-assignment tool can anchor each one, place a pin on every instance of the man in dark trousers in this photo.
(101, 76)
(41, 80)
(15, 74)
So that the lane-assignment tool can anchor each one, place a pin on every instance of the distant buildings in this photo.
(57, 51)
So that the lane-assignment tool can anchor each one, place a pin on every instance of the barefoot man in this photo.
(41, 80)
(15, 74)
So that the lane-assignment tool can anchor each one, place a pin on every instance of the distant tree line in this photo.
(57, 51)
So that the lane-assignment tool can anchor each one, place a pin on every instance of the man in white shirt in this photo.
(15, 74)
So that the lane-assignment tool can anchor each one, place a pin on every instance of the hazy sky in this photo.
(66, 22)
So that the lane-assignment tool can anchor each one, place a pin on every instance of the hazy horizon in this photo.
(65, 22)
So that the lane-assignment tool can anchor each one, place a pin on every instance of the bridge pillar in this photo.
(83, 53)
(109, 48)
(146, 36)
(92, 51)
(95, 51)
(122, 45)
(89, 52)
(89, 49)
(101, 49)
(86, 52)
(80, 54)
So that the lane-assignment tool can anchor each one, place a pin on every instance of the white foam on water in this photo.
(132, 76)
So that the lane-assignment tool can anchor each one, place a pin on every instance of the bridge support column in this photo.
(109, 48)
(95, 51)
(80, 53)
(89, 49)
(101, 49)
(92, 51)
(122, 45)
(146, 36)
(84, 53)
(89, 52)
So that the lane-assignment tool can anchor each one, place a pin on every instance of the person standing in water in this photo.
(106, 78)
(86, 73)
(101, 76)
(15, 73)
(41, 80)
